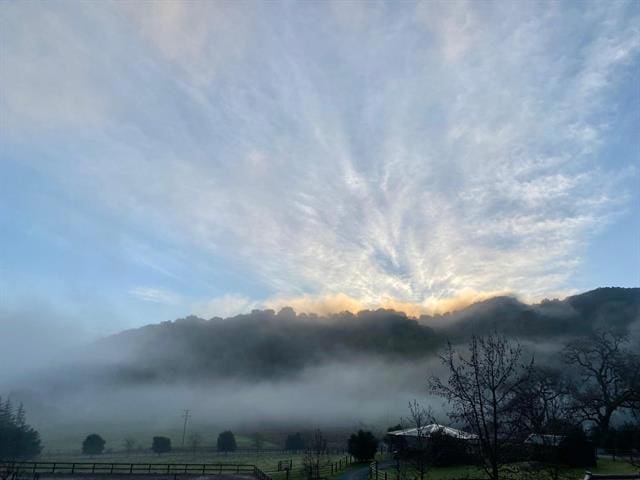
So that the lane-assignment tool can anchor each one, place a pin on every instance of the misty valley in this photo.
(270, 379)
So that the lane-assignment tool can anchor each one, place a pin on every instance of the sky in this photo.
(161, 159)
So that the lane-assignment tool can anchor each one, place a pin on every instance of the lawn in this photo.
(605, 466)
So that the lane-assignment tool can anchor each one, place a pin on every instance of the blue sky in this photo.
(161, 159)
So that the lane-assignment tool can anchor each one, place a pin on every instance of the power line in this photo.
(186, 415)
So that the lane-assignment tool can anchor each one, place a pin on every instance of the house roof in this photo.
(548, 440)
(427, 430)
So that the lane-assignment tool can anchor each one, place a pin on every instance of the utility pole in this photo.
(186, 415)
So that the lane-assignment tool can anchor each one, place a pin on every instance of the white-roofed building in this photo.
(428, 430)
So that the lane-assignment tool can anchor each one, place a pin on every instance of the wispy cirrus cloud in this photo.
(409, 152)
(155, 295)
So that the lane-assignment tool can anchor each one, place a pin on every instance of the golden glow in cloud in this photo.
(336, 303)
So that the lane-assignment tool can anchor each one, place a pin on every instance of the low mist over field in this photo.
(283, 369)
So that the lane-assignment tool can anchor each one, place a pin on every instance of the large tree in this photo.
(609, 376)
(93, 444)
(543, 402)
(363, 445)
(481, 389)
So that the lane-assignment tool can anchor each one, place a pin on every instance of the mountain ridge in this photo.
(264, 344)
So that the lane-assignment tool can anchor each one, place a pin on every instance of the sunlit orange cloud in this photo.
(335, 303)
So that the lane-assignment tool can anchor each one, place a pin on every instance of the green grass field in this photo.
(605, 466)
(266, 461)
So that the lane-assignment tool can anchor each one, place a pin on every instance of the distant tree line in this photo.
(18, 440)
(94, 444)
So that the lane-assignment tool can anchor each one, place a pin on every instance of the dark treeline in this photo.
(268, 345)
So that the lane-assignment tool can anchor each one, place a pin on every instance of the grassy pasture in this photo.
(266, 461)
(605, 466)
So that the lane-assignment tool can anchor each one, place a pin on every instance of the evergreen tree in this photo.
(227, 442)
(17, 439)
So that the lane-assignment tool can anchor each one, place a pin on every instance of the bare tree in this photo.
(416, 452)
(129, 444)
(481, 389)
(315, 455)
(544, 403)
(609, 377)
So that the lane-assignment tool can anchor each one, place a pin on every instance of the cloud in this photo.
(198, 38)
(437, 152)
(49, 77)
(225, 306)
(155, 295)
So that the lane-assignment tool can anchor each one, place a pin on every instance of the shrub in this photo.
(161, 445)
(227, 442)
(576, 450)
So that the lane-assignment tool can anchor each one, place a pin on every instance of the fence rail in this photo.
(208, 450)
(86, 468)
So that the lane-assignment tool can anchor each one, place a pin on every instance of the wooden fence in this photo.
(208, 450)
(375, 473)
(77, 468)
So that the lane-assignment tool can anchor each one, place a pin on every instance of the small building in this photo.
(444, 446)
(410, 437)
(573, 450)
